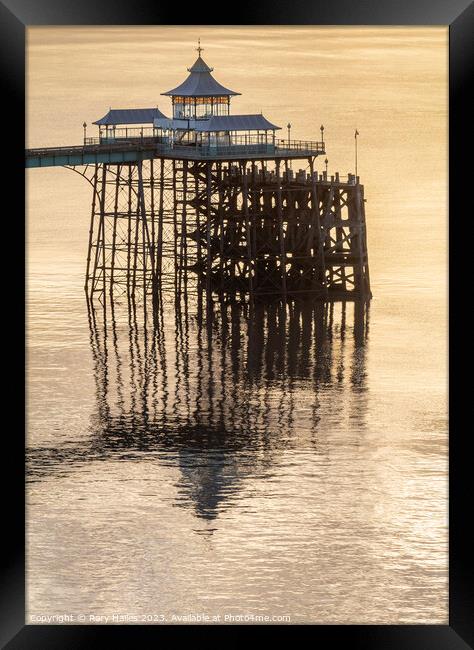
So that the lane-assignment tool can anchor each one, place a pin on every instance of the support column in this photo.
(281, 232)
(91, 227)
(245, 205)
(319, 239)
(208, 233)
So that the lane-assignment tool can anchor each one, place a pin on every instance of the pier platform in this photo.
(136, 150)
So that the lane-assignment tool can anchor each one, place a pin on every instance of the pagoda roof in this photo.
(200, 65)
(236, 123)
(200, 83)
(130, 116)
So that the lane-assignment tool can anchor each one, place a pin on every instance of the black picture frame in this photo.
(18, 14)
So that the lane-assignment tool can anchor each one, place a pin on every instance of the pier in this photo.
(207, 202)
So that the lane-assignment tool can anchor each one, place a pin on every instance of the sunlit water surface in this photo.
(280, 464)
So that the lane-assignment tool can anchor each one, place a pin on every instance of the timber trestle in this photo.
(235, 229)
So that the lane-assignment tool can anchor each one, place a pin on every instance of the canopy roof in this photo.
(130, 116)
(200, 83)
(236, 123)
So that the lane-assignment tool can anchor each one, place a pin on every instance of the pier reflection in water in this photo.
(236, 379)
(220, 392)
(231, 461)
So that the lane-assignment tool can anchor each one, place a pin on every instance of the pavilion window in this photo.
(204, 107)
(200, 107)
(183, 107)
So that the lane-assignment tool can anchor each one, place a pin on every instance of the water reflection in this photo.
(218, 393)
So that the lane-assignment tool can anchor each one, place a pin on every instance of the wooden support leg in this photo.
(159, 243)
(281, 233)
(208, 234)
(91, 228)
(248, 235)
(100, 243)
(114, 232)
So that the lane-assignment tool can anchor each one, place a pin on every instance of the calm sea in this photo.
(280, 464)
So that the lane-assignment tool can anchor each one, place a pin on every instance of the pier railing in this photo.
(191, 137)
(100, 150)
(222, 147)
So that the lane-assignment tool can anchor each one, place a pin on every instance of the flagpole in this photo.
(355, 138)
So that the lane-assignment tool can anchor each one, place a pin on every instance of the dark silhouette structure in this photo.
(206, 201)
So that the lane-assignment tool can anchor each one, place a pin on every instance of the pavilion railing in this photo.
(244, 142)
(301, 145)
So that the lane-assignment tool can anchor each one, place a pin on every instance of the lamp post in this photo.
(322, 134)
(84, 126)
(326, 163)
(288, 126)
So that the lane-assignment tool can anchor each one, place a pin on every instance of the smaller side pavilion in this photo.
(143, 118)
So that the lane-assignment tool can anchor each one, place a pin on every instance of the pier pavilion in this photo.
(201, 119)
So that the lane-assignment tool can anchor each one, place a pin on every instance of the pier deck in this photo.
(148, 149)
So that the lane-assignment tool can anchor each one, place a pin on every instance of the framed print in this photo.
(236, 289)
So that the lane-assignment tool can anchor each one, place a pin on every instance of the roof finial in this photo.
(199, 48)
